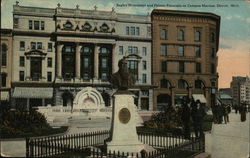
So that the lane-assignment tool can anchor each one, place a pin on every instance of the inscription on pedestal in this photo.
(124, 115)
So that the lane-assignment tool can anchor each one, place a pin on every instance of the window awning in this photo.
(31, 92)
(4, 96)
(200, 97)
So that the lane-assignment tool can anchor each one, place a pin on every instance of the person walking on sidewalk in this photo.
(243, 113)
(225, 113)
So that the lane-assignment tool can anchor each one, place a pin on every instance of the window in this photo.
(137, 31)
(36, 25)
(197, 36)
(144, 78)
(133, 68)
(181, 67)
(49, 76)
(50, 47)
(86, 26)
(212, 37)
(86, 63)
(127, 30)
(163, 50)
(4, 54)
(120, 50)
(15, 22)
(132, 50)
(30, 24)
(198, 67)
(144, 65)
(197, 51)
(3, 76)
(22, 46)
(163, 34)
(33, 45)
(42, 25)
(132, 30)
(144, 51)
(21, 61)
(163, 66)
(68, 25)
(164, 83)
(198, 84)
(181, 84)
(49, 64)
(104, 63)
(181, 51)
(181, 35)
(212, 68)
(104, 75)
(39, 45)
(21, 75)
(212, 52)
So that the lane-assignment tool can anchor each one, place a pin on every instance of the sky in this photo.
(234, 47)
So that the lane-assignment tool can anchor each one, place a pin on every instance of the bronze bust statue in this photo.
(122, 79)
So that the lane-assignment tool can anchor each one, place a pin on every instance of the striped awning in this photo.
(4, 96)
(200, 97)
(31, 92)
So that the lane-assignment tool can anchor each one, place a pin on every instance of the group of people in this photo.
(221, 111)
(193, 112)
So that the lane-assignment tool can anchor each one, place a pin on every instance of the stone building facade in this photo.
(5, 65)
(238, 89)
(58, 52)
(184, 59)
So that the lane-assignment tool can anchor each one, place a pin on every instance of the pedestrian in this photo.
(225, 113)
(220, 113)
(236, 108)
(198, 113)
(243, 113)
(185, 117)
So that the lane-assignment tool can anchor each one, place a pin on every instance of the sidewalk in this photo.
(229, 140)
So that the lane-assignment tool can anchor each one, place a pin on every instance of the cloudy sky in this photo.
(234, 50)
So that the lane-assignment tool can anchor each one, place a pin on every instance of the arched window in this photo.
(181, 35)
(181, 84)
(68, 25)
(86, 26)
(164, 83)
(212, 68)
(4, 54)
(104, 27)
(197, 36)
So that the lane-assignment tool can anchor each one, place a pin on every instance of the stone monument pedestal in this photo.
(124, 137)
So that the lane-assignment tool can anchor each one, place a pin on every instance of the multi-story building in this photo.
(184, 56)
(58, 52)
(245, 92)
(236, 89)
(5, 65)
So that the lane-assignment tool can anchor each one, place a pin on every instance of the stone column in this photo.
(114, 64)
(27, 68)
(59, 60)
(151, 100)
(208, 96)
(44, 74)
(28, 104)
(139, 100)
(96, 62)
(172, 96)
(78, 62)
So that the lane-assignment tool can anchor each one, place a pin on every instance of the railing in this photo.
(164, 144)
(49, 146)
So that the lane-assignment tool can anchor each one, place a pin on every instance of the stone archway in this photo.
(88, 99)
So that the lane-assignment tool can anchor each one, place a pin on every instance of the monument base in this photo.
(124, 137)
